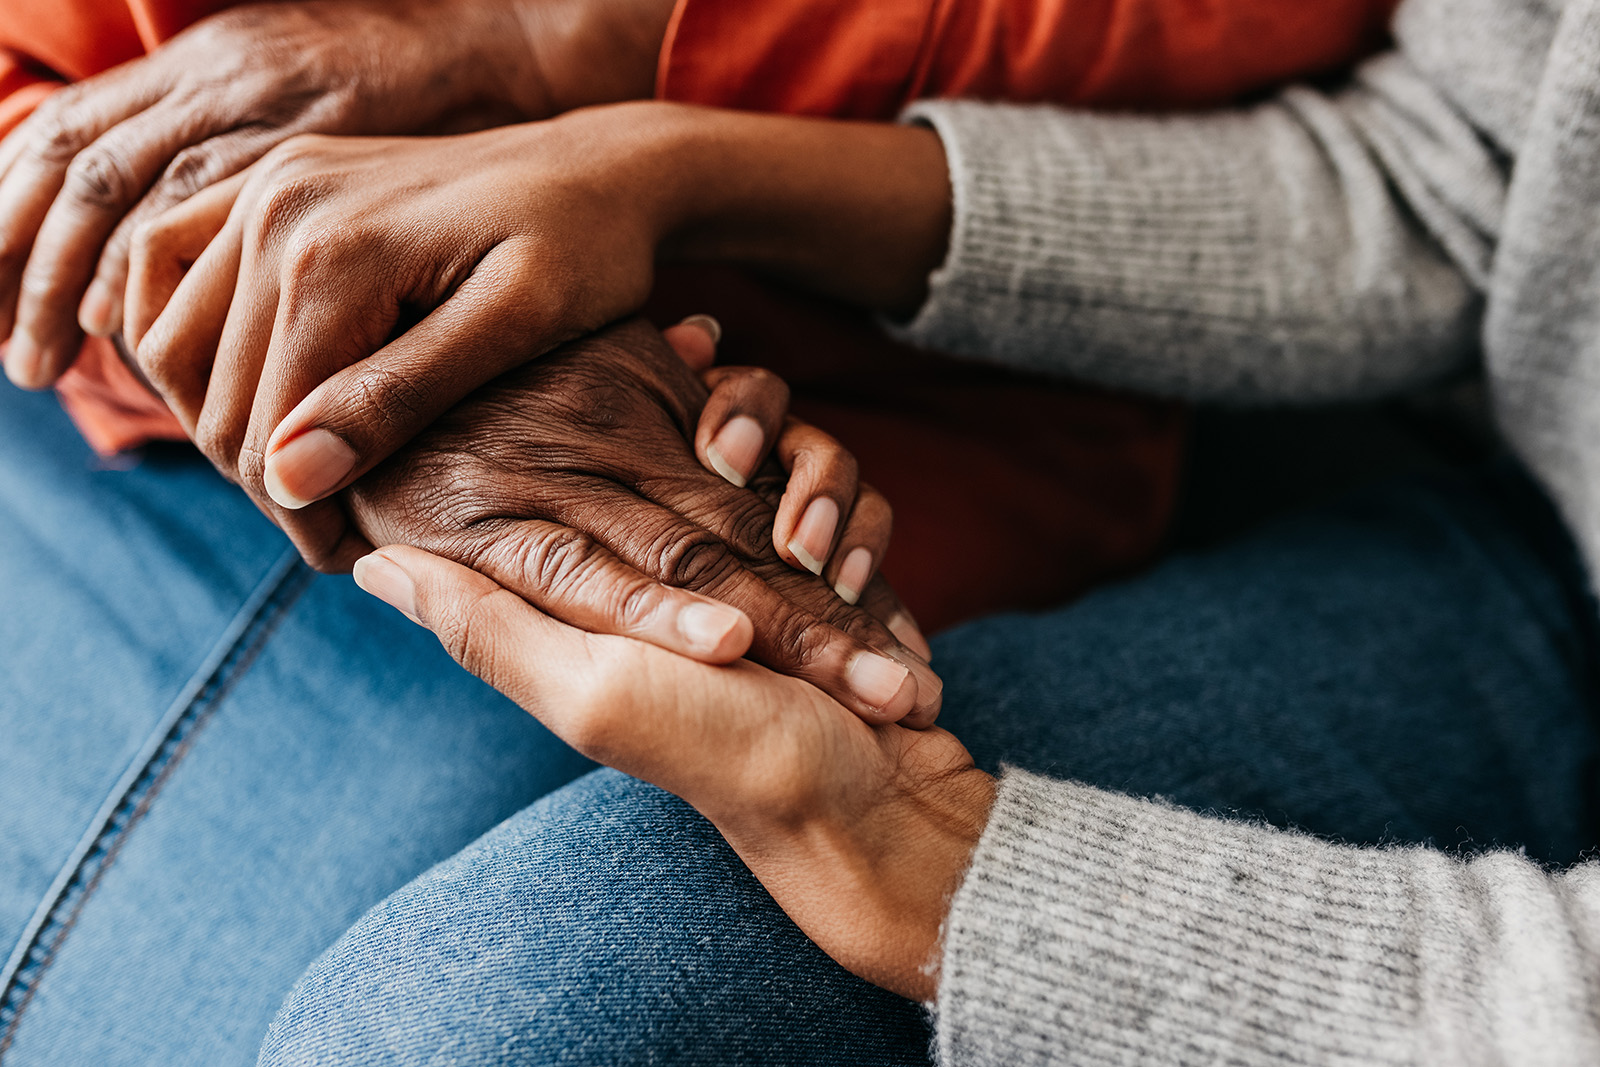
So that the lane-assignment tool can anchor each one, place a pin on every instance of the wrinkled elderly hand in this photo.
(860, 832)
(573, 482)
(99, 158)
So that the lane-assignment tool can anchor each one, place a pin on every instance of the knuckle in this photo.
(219, 443)
(695, 559)
(554, 562)
(445, 494)
(149, 240)
(873, 508)
(766, 383)
(836, 465)
(295, 154)
(252, 468)
(311, 249)
(284, 203)
(190, 171)
(160, 364)
(469, 632)
(799, 639)
(97, 178)
(57, 135)
(749, 526)
(389, 399)
(637, 605)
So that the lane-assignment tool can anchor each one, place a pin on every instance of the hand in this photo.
(102, 157)
(861, 833)
(572, 481)
(746, 418)
(359, 288)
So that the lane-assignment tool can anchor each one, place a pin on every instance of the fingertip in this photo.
(812, 542)
(854, 574)
(707, 325)
(99, 311)
(930, 687)
(695, 341)
(908, 633)
(26, 363)
(885, 687)
(307, 468)
(736, 449)
(715, 633)
(380, 576)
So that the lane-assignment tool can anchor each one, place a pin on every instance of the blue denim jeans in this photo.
(213, 763)
(1412, 665)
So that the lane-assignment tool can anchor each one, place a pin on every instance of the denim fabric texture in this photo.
(212, 760)
(1412, 665)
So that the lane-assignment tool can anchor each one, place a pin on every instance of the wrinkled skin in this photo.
(573, 482)
(105, 155)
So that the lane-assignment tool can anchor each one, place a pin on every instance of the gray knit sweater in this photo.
(1359, 243)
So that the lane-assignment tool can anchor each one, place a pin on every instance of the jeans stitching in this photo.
(128, 802)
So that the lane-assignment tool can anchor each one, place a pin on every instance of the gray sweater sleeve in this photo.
(1095, 928)
(1312, 247)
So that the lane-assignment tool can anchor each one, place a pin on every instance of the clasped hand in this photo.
(573, 523)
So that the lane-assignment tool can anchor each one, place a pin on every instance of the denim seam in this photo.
(130, 799)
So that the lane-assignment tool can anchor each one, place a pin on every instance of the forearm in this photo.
(1321, 246)
(852, 210)
(1085, 909)
(1298, 250)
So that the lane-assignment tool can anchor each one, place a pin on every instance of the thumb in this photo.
(486, 628)
(587, 690)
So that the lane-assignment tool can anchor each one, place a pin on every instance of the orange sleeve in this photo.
(852, 60)
(821, 57)
(43, 42)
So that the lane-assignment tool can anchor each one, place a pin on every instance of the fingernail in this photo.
(382, 578)
(97, 309)
(22, 360)
(876, 679)
(710, 325)
(736, 449)
(854, 575)
(930, 687)
(308, 468)
(705, 627)
(814, 537)
(906, 630)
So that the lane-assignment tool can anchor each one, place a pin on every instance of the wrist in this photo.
(853, 210)
(872, 885)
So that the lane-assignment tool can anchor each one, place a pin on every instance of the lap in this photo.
(1411, 665)
(212, 760)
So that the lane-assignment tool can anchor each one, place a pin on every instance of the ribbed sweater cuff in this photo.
(1080, 241)
(1096, 928)
(1242, 256)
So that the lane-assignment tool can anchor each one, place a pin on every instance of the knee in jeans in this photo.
(607, 923)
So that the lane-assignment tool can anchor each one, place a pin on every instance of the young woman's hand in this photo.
(101, 157)
(347, 292)
(861, 833)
